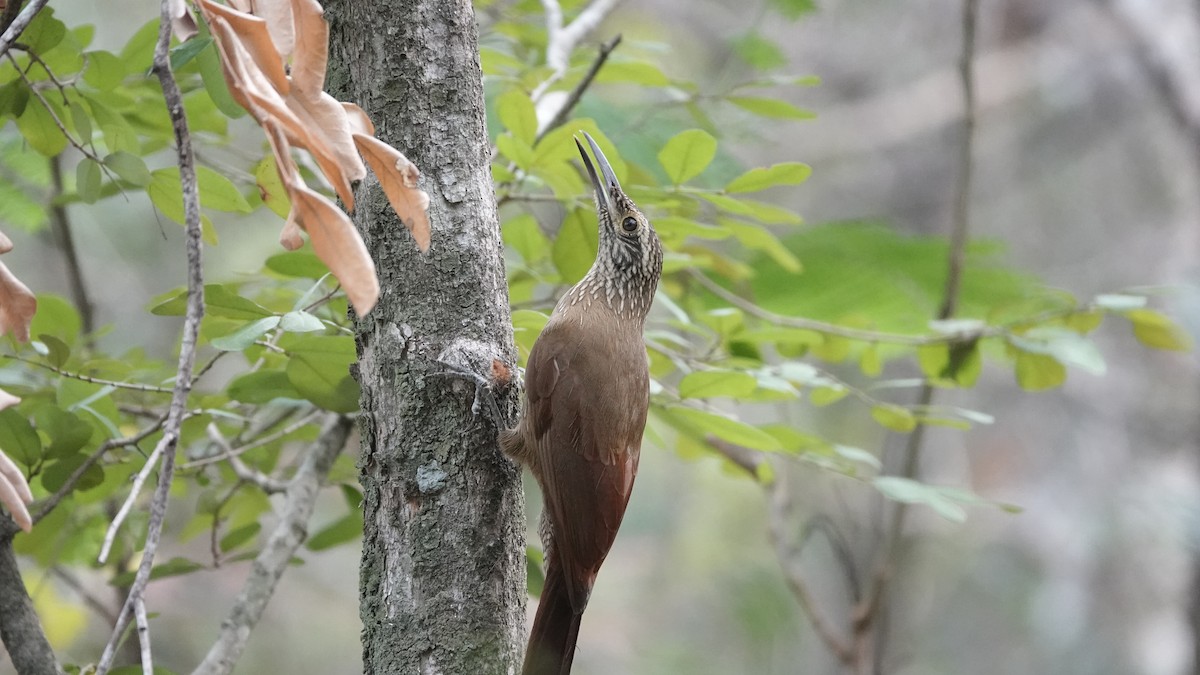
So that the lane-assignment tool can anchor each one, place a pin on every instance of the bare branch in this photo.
(867, 612)
(69, 486)
(562, 40)
(18, 26)
(20, 627)
(245, 472)
(138, 481)
(270, 438)
(278, 550)
(132, 386)
(143, 630)
(191, 329)
(564, 111)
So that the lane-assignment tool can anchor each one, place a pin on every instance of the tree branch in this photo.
(867, 611)
(564, 111)
(20, 627)
(245, 472)
(69, 486)
(61, 228)
(191, 330)
(132, 386)
(19, 24)
(278, 550)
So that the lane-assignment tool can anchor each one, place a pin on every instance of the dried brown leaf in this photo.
(252, 34)
(278, 15)
(289, 236)
(183, 24)
(14, 492)
(360, 123)
(399, 177)
(6, 244)
(17, 305)
(323, 117)
(312, 47)
(337, 244)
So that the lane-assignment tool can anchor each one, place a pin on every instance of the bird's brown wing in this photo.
(586, 439)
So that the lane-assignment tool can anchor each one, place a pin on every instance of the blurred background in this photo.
(1088, 168)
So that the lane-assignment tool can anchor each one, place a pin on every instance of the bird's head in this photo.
(629, 260)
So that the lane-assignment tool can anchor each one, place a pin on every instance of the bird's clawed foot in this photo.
(498, 380)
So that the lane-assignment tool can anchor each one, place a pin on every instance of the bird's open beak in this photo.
(603, 189)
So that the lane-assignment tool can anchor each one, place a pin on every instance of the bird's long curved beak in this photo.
(603, 189)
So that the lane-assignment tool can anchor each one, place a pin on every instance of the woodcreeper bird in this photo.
(586, 397)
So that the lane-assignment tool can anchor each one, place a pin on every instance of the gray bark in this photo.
(442, 585)
(19, 625)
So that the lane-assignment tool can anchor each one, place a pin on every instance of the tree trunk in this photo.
(20, 628)
(442, 585)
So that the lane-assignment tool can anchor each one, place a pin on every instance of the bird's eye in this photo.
(629, 224)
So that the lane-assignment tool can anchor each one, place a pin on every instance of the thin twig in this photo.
(270, 438)
(69, 485)
(89, 599)
(867, 613)
(947, 338)
(132, 386)
(564, 111)
(277, 551)
(777, 495)
(61, 228)
(19, 24)
(138, 481)
(562, 40)
(53, 115)
(143, 629)
(191, 330)
(244, 471)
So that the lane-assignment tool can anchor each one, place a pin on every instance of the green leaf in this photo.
(128, 167)
(515, 150)
(209, 65)
(758, 51)
(261, 387)
(575, 248)
(759, 238)
(714, 383)
(57, 351)
(687, 154)
(771, 108)
(826, 395)
(39, 129)
(87, 180)
(18, 439)
(1157, 330)
(894, 417)
(218, 192)
(58, 472)
(44, 32)
(517, 114)
(300, 264)
(246, 335)
(219, 300)
(56, 316)
(726, 428)
(82, 121)
(869, 361)
(793, 9)
(104, 70)
(909, 491)
(67, 431)
(1065, 345)
(172, 568)
(300, 322)
(187, 51)
(632, 72)
(319, 368)
(754, 180)
(1119, 302)
(346, 529)
(270, 188)
(523, 234)
(1038, 372)
(238, 536)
